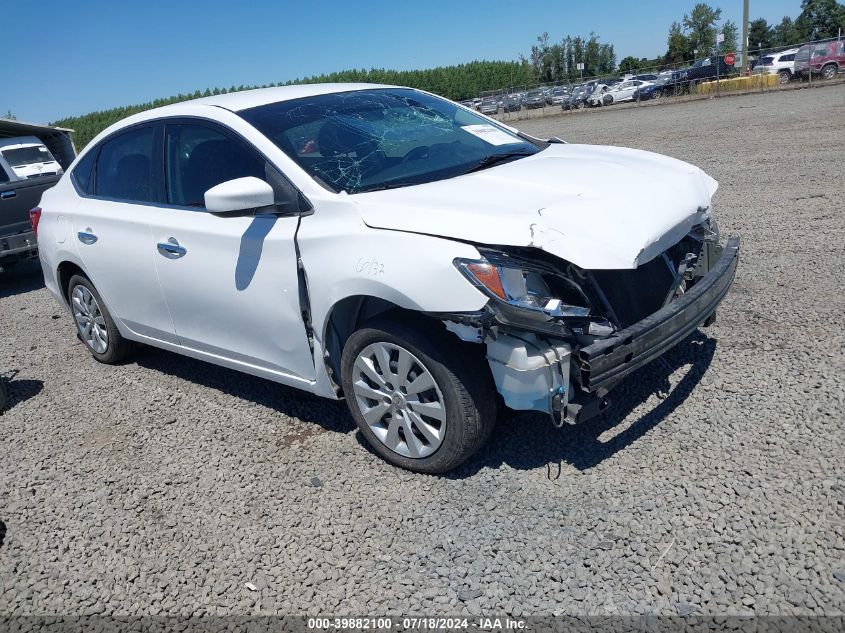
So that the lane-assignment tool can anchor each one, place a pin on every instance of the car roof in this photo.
(245, 99)
(236, 102)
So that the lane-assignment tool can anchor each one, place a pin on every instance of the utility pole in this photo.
(744, 37)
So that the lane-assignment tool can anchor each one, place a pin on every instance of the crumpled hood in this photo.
(598, 207)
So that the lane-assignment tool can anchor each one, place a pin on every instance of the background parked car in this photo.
(511, 103)
(578, 98)
(828, 58)
(27, 157)
(664, 86)
(557, 96)
(596, 96)
(489, 106)
(781, 64)
(535, 99)
(623, 91)
(21, 187)
(705, 70)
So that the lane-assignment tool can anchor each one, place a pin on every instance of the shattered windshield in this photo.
(365, 140)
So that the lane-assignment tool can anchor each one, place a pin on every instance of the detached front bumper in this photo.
(604, 363)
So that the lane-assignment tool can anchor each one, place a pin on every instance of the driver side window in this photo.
(199, 157)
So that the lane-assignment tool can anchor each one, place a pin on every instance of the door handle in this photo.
(86, 236)
(171, 249)
(8, 194)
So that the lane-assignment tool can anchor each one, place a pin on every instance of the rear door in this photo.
(120, 183)
(231, 281)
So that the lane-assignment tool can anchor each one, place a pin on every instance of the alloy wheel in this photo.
(399, 399)
(89, 319)
(829, 72)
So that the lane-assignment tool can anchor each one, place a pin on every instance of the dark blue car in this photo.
(665, 86)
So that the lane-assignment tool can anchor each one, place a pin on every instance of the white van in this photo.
(27, 157)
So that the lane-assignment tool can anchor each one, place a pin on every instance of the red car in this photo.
(824, 58)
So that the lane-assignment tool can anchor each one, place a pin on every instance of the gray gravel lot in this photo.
(165, 485)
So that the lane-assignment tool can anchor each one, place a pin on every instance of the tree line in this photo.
(462, 81)
(695, 35)
(818, 20)
(549, 61)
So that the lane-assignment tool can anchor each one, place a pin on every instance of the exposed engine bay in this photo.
(558, 338)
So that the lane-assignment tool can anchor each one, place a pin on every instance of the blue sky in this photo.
(65, 58)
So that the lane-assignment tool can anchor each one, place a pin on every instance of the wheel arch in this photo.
(348, 315)
(64, 271)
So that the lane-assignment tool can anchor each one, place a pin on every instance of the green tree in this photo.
(731, 33)
(786, 33)
(678, 45)
(10, 116)
(462, 81)
(820, 19)
(701, 25)
(628, 64)
(759, 34)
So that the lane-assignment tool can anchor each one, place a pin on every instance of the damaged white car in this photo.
(385, 246)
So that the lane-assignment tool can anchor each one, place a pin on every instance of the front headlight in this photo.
(523, 287)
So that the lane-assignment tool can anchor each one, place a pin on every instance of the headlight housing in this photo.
(523, 286)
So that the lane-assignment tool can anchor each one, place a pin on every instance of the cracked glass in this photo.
(365, 140)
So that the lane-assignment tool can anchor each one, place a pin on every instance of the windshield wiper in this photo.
(495, 159)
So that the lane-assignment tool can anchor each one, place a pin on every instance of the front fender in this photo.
(412, 271)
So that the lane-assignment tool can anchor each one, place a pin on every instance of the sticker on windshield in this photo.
(491, 134)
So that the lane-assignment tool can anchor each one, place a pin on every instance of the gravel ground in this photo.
(165, 485)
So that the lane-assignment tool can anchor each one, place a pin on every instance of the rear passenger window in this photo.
(200, 157)
(83, 172)
(125, 167)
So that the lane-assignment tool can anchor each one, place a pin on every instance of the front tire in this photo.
(94, 325)
(424, 402)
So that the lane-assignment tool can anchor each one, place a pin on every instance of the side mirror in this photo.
(240, 194)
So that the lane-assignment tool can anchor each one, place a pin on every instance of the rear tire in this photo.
(784, 77)
(829, 71)
(94, 325)
(426, 429)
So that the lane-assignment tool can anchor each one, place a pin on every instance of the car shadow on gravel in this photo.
(19, 390)
(331, 415)
(526, 441)
(24, 277)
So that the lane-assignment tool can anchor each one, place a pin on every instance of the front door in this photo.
(231, 282)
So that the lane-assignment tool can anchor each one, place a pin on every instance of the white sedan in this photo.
(623, 91)
(385, 246)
